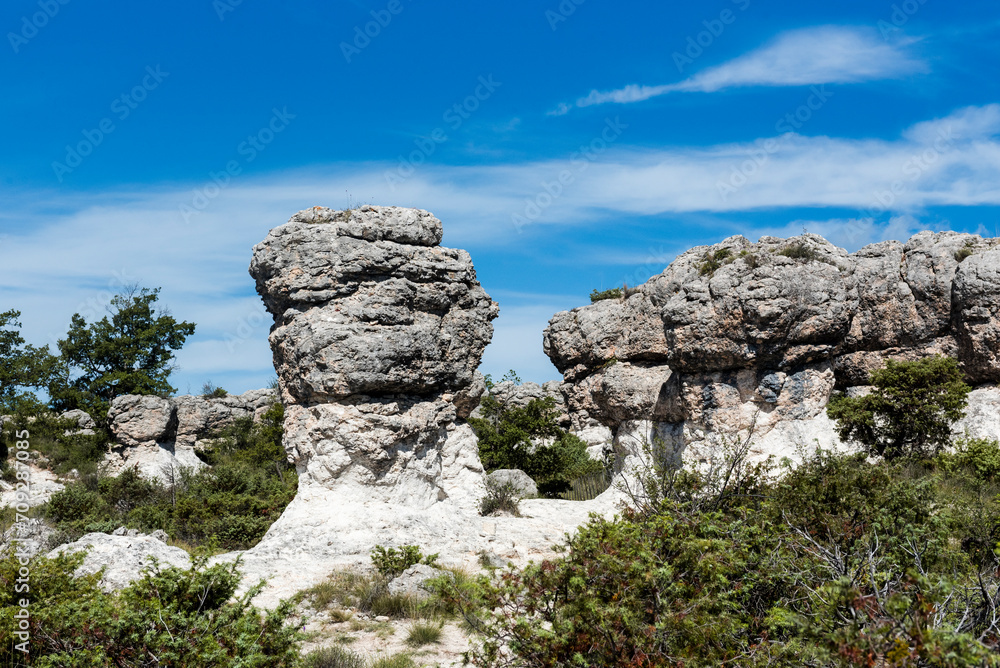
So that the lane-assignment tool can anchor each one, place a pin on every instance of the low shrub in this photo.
(171, 616)
(800, 251)
(210, 391)
(390, 562)
(334, 656)
(499, 498)
(613, 293)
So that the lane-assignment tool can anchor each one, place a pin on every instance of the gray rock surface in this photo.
(29, 538)
(366, 302)
(520, 481)
(85, 424)
(124, 557)
(160, 435)
(741, 332)
(413, 581)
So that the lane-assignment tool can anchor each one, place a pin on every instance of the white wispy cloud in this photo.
(809, 56)
(62, 253)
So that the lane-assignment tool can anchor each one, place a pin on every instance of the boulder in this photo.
(366, 303)
(520, 481)
(377, 335)
(413, 581)
(124, 558)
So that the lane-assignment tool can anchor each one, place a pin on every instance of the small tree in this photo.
(910, 409)
(21, 367)
(130, 353)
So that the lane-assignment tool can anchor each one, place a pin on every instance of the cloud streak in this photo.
(62, 253)
(810, 56)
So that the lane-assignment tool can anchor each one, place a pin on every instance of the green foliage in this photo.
(390, 562)
(21, 367)
(499, 498)
(394, 661)
(230, 505)
(210, 391)
(423, 633)
(612, 293)
(57, 446)
(980, 457)
(130, 353)
(713, 261)
(528, 438)
(171, 616)
(910, 410)
(965, 251)
(842, 562)
(623, 292)
(800, 251)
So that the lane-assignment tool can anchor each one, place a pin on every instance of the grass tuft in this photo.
(424, 633)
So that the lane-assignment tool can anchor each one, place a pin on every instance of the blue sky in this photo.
(567, 145)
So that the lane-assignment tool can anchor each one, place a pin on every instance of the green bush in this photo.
(800, 251)
(334, 656)
(510, 436)
(612, 293)
(390, 562)
(210, 391)
(171, 616)
(500, 497)
(56, 449)
(842, 562)
(713, 261)
(910, 410)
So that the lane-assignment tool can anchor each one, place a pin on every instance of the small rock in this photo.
(381, 618)
(412, 581)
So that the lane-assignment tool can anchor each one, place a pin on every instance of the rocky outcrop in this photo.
(124, 556)
(378, 331)
(741, 331)
(160, 435)
(377, 335)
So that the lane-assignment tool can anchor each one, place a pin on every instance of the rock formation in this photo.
(377, 336)
(378, 331)
(770, 329)
(159, 435)
(124, 556)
